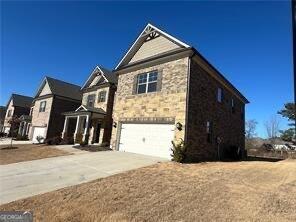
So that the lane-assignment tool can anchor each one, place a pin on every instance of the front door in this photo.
(98, 133)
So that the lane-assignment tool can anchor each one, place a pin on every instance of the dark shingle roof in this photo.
(111, 76)
(21, 101)
(64, 89)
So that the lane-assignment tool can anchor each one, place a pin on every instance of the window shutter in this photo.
(135, 85)
(159, 80)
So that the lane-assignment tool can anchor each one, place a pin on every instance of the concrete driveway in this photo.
(20, 180)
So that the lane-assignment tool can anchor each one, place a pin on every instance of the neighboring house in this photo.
(168, 91)
(92, 121)
(52, 99)
(2, 117)
(17, 106)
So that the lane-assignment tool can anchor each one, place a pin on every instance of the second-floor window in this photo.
(9, 113)
(147, 82)
(91, 100)
(102, 96)
(220, 95)
(42, 106)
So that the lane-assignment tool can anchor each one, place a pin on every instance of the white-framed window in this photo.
(147, 82)
(42, 106)
(9, 113)
(102, 96)
(91, 100)
(220, 95)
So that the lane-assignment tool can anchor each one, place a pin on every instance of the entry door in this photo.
(147, 139)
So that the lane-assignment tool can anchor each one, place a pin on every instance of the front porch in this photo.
(25, 124)
(85, 125)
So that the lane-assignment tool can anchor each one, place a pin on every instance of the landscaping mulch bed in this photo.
(232, 191)
(26, 152)
(92, 148)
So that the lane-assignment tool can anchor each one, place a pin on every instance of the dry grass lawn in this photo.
(26, 152)
(242, 191)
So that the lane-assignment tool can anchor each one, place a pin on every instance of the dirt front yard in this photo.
(26, 152)
(247, 191)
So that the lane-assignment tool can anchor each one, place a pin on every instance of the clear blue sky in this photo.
(249, 42)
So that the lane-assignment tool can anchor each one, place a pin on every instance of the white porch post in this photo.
(77, 127)
(66, 123)
(20, 129)
(86, 128)
(24, 129)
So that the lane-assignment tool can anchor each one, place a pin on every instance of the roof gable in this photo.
(99, 76)
(45, 89)
(150, 42)
(20, 100)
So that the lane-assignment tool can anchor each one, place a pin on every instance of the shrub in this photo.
(84, 143)
(178, 150)
(78, 138)
(231, 153)
(40, 139)
(54, 140)
(67, 140)
(2, 134)
(19, 137)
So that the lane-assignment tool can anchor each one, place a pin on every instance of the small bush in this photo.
(21, 138)
(78, 138)
(2, 134)
(178, 150)
(84, 143)
(53, 141)
(67, 140)
(40, 139)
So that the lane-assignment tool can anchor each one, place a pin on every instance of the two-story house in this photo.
(17, 106)
(2, 117)
(92, 121)
(52, 99)
(168, 91)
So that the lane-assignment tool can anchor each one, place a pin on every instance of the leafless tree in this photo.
(250, 128)
(272, 127)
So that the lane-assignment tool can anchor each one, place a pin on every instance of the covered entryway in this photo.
(38, 131)
(147, 139)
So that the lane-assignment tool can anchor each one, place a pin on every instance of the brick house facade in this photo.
(184, 101)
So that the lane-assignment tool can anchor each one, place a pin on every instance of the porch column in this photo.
(86, 129)
(24, 129)
(77, 127)
(65, 129)
(20, 129)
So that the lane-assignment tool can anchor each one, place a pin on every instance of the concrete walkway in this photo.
(25, 179)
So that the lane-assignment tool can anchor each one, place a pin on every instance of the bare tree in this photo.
(272, 127)
(250, 128)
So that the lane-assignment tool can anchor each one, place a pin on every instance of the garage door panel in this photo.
(148, 139)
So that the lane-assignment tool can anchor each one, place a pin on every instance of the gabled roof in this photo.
(108, 75)
(148, 32)
(85, 109)
(61, 88)
(20, 100)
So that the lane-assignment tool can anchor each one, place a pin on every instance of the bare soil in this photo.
(26, 152)
(233, 191)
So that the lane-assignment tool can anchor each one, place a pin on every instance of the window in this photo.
(147, 82)
(91, 100)
(209, 131)
(42, 106)
(102, 96)
(220, 95)
(9, 113)
(232, 106)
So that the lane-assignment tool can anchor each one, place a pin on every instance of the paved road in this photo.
(20, 180)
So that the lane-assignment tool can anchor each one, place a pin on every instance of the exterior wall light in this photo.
(179, 126)
(114, 124)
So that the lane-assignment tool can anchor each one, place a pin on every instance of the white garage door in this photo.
(147, 139)
(38, 131)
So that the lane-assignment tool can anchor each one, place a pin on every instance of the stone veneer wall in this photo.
(167, 104)
(203, 106)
